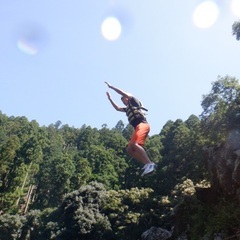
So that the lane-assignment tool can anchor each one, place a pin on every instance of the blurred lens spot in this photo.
(31, 38)
(206, 14)
(111, 28)
(235, 7)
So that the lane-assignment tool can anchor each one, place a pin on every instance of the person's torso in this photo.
(134, 113)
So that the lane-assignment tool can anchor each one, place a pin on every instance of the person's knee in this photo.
(130, 148)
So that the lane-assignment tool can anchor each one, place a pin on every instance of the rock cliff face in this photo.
(156, 233)
(223, 164)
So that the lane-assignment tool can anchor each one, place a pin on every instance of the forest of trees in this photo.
(61, 182)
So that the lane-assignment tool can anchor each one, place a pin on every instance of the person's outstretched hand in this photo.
(108, 95)
(109, 85)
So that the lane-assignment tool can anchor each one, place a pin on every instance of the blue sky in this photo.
(54, 59)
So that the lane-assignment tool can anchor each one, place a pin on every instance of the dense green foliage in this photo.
(236, 30)
(61, 182)
(221, 109)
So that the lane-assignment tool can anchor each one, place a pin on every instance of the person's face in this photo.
(125, 100)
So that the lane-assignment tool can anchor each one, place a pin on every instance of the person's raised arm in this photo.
(114, 104)
(119, 91)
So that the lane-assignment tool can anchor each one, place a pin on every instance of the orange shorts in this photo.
(140, 134)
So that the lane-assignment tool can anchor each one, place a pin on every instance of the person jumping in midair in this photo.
(137, 119)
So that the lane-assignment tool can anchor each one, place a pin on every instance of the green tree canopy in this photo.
(82, 215)
(221, 108)
(236, 30)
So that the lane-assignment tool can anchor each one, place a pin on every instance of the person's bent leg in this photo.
(138, 152)
(138, 138)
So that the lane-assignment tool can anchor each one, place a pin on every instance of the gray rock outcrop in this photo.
(156, 233)
(223, 165)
